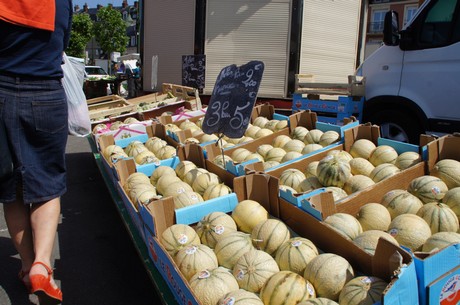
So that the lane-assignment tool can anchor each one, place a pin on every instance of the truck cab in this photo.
(413, 79)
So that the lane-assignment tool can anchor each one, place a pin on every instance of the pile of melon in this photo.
(247, 257)
(103, 127)
(187, 184)
(345, 173)
(152, 151)
(424, 217)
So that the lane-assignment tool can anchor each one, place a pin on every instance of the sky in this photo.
(94, 3)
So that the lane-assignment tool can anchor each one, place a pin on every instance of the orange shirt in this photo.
(32, 13)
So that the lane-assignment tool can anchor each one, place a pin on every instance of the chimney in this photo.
(76, 8)
(85, 8)
(124, 4)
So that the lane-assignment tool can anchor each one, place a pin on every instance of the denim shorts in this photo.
(34, 112)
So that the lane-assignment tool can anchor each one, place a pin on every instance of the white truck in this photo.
(413, 80)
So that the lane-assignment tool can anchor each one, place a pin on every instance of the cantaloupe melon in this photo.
(309, 184)
(136, 190)
(368, 240)
(239, 154)
(281, 125)
(263, 132)
(209, 286)
(365, 290)
(313, 136)
(146, 157)
(251, 131)
(253, 269)
(194, 258)
(383, 154)
(270, 164)
(428, 188)
(253, 156)
(345, 224)
(166, 152)
(191, 175)
(134, 179)
(357, 183)
(280, 141)
(216, 190)
(362, 148)
(299, 132)
(292, 177)
(342, 154)
(161, 170)
(291, 155)
(452, 199)
(410, 231)
(271, 124)
(440, 240)
(112, 149)
(449, 172)
(247, 214)
(294, 254)
(286, 288)
(337, 192)
(439, 217)
(176, 188)
(203, 181)
(154, 144)
(214, 226)
(400, 201)
(333, 171)
(383, 171)
(329, 273)
(294, 145)
(231, 247)
(328, 138)
(275, 154)
(269, 235)
(186, 199)
(183, 167)
(260, 121)
(310, 171)
(361, 166)
(221, 160)
(287, 189)
(374, 216)
(318, 301)
(240, 297)
(177, 237)
(263, 149)
(309, 148)
(407, 159)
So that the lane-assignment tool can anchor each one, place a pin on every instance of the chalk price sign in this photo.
(232, 99)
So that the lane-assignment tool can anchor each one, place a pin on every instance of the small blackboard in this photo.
(233, 98)
(193, 71)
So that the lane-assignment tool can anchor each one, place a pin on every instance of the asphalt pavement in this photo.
(95, 260)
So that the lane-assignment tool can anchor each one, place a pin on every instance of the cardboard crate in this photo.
(100, 108)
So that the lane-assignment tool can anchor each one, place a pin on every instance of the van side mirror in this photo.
(391, 29)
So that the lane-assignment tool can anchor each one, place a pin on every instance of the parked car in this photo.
(95, 72)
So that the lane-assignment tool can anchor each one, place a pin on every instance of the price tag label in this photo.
(232, 99)
(193, 71)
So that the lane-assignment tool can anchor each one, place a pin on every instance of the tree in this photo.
(110, 31)
(81, 34)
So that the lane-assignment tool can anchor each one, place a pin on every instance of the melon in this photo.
(183, 167)
(345, 224)
(329, 137)
(299, 133)
(289, 156)
(247, 214)
(161, 170)
(294, 145)
(309, 184)
(112, 149)
(329, 273)
(294, 254)
(239, 154)
(428, 188)
(309, 148)
(440, 240)
(400, 202)
(99, 128)
(357, 183)
(362, 148)
(383, 171)
(208, 138)
(186, 199)
(260, 121)
(203, 181)
(253, 156)
(318, 301)
(177, 237)
(270, 164)
(263, 149)
(113, 158)
(275, 154)
(166, 152)
(337, 192)
(240, 297)
(187, 124)
(410, 231)
(452, 199)
(134, 179)
(407, 159)
(216, 191)
(154, 144)
(135, 147)
(191, 175)
(142, 189)
(286, 188)
(263, 132)
(310, 171)
(209, 286)
(333, 171)
(221, 160)
(172, 127)
(214, 226)
(343, 154)
(271, 124)
(253, 269)
(361, 166)
(383, 154)
(365, 290)
(146, 157)
(449, 172)
(292, 177)
(368, 240)
(194, 258)
(374, 216)
(439, 217)
(251, 131)
(280, 141)
(231, 247)
(313, 137)
(286, 288)
(269, 235)
(176, 188)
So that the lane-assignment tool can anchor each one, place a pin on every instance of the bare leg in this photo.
(44, 220)
(17, 217)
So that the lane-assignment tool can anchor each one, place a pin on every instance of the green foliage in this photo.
(110, 30)
(81, 34)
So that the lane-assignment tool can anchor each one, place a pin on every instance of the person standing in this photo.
(33, 109)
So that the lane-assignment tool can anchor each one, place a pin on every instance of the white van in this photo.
(413, 80)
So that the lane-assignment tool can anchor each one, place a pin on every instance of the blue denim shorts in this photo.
(34, 112)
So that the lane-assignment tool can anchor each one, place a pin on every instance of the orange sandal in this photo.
(41, 286)
(22, 274)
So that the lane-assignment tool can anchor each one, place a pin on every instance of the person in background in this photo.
(33, 108)
(137, 78)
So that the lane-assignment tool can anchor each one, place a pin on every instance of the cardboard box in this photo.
(103, 107)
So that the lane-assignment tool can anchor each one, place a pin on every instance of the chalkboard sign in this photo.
(232, 99)
(193, 71)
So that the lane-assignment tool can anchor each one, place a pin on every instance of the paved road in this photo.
(95, 260)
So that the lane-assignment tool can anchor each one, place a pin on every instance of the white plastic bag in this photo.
(79, 121)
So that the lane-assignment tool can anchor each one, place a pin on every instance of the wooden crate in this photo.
(107, 106)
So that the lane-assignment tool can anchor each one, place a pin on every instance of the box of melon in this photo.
(305, 137)
(365, 163)
(260, 251)
(145, 149)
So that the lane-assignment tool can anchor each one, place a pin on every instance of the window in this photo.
(438, 24)
(378, 16)
(409, 12)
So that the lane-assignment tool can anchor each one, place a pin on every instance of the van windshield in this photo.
(95, 71)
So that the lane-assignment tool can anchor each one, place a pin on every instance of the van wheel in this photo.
(396, 125)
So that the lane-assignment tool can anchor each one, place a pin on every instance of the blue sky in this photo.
(94, 3)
